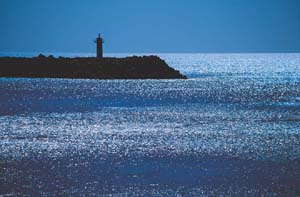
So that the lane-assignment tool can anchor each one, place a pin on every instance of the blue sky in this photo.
(156, 26)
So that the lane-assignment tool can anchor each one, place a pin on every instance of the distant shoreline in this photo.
(144, 67)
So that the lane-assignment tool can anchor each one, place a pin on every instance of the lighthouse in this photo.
(99, 42)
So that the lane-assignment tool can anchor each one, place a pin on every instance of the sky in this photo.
(150, 26)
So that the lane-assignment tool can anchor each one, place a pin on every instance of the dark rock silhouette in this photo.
(41, 56)
(146, 67)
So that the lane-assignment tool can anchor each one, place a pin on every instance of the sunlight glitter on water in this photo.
(209, 134)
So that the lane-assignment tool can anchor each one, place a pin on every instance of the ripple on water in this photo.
(213, 135)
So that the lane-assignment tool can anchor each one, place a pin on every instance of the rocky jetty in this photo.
(145, 67)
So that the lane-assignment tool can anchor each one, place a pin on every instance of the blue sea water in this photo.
(232, 128)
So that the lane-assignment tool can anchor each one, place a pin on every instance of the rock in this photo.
(51, 57)
(41, 56)
(146, 67)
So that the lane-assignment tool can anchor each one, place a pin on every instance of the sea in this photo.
(231, 129)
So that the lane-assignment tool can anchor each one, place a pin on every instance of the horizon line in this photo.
(94, 53)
